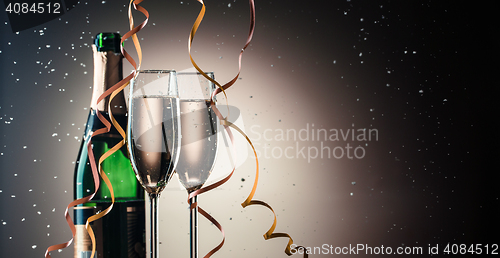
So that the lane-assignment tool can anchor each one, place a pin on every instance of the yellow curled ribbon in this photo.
(113, 91)
(227, 125)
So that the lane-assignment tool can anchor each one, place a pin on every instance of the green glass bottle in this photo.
(120, 233)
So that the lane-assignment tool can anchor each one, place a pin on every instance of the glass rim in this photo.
(210, 73)
(156, 71)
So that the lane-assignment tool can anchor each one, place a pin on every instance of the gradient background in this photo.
(420, 72)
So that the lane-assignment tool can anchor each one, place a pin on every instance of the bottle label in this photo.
(136, 232)
(118, 234)
(83, 243)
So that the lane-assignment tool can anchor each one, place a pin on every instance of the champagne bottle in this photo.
(121, 232)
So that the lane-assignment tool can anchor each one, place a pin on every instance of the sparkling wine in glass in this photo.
(199, 139)
(153, 136)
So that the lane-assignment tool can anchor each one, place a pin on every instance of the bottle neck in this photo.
(107, 72)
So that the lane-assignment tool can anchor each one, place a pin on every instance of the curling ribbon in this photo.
(113, 91)
(270, 233)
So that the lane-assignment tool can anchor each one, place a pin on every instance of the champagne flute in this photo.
(199, 140)
(153, 136)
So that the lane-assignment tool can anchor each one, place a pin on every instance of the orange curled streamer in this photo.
(270, 233)
(113, 91)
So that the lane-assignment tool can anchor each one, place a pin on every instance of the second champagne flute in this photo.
(153, 136)
(199, 140)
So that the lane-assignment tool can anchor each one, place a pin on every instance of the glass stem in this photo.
(193, 232)
(153, 217)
